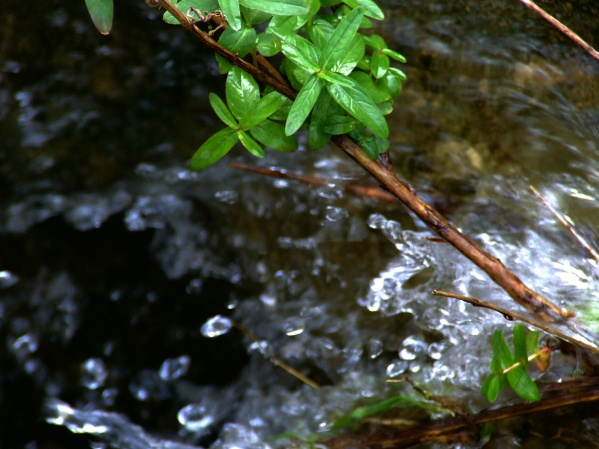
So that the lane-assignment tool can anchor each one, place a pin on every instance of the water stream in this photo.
(114, 258)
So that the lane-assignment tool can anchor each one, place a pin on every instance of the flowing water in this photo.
(120, 270)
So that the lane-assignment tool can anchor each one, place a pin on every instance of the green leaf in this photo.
(376, 42)
(250, 144)
(214, 148)
(253, 16)
(222, 111)
(523, 385)
(224, 65)
(373, 409)
(532, 341)
(520, 354)
(230, 9)
(101, 12)
(325, 107)
(377, 92)
(355, 101)
(372, 9)
(284, 24)
(184, 5)
(268, 44)
(371, 144)
(303, 104)
(391, 84)
(394, 55)
(320, 32)
(242, 92)
(501, 351)
(490, 388)
(354, 55)
(299, 50)
(341, 39)
(398, 74)
(273, 135)
(337, 124)
(336, 78)
(379, 64)
(239, 42)
(279, 7)
(264, 108)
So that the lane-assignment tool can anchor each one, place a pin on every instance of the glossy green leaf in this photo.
(238, 42)
(184, 5)
(279, 7)
(230, 9)
(375, 409)
(224, 65)
(520, 353)
(370, 7)
(376, 42)
(325, 107)
(284, 24)
(214, 149)
(242, 92)
(306, 98)
(523, 385)
(354, 55)
(355, 101)
(490, 388)
(222, 111)
(263, 109)
(371, 144)
(272, 135)
(337, 124)
(336, 78)
(320, 32)
(268, 44)
(398, 74)
(394, 55)
(391, 84)
(379, 64)
(250, 144)
(341, 39)
(532, 341)
(253, 16)
(299, 50)
(101, 12)
(378, 92)
(501, 350)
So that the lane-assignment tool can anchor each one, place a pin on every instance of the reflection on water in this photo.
(116, 262)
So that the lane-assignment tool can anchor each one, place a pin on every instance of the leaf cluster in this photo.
(509, 368)
(344, 79)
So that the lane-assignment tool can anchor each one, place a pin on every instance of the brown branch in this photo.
(528, 298)
(560, 26)
(442, 430)
(353, 189)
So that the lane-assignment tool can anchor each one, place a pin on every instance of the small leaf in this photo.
(284, 24)
(543, 360)
(391, 84)
(501, 350)
(532, 341)
(222, 111)
(339, 42)
(264, 108)
(523, 385)
(299, 50)
(273, 135)
(355, 101)
(372, 9)
(490, 388)
(242, 92)
(520, 353)
(238, 42)
(336, 78)
(377, 92)
(224, 65)
(337, 124)
(184, 5)
(325, 107)
(303, 104)
(101, 12)
(268, 44)
(230, 9)
(398, 74)
(371, 144)
(394, 55)
(250, 144)
(279, 7)
(376, 42)
(379, 64)
(373, 409)
(352, 57)
(214, 149)
(253, 16)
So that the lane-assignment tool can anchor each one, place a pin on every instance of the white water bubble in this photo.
(93, 373)
(195, 417)
(333, 213)
(227, 196)
(411, 348)
(397, 368)
(8, 279)
(25, 345)
(435, 350)
(172, 369)
(374, 348)
(215, 326)
(294, 326)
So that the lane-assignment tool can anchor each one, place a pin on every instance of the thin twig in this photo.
(429, 396)
(354, 189)
(274, 359)
(567, 224)
(560, 26)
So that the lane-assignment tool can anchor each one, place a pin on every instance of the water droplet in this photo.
(109, 396)
(215, 326)
(397, 368)
(172, 369)
(25, 345)
(374, 348)
(335, 213)
(93, 373)
(435, 350)
(294, 326)
(8, 279)
(412, 347)
(194, 417)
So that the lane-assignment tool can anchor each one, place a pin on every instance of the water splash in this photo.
(216, 326)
